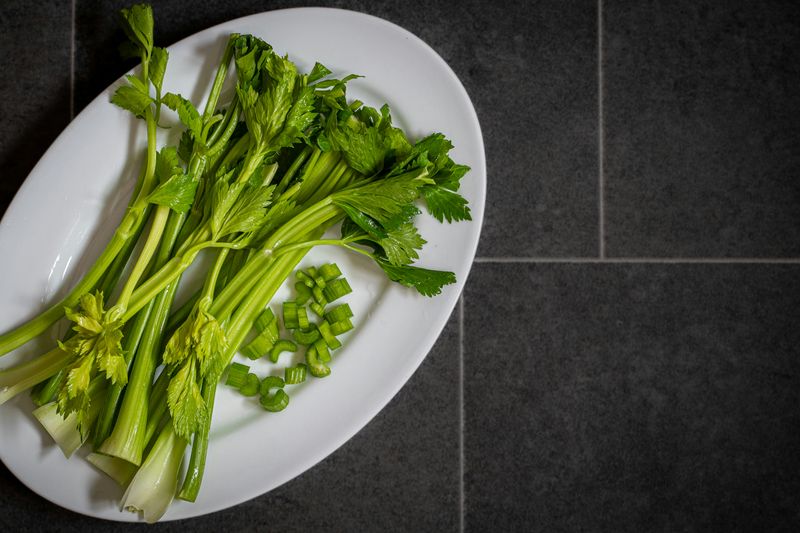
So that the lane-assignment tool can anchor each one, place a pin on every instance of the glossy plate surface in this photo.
(69, 206)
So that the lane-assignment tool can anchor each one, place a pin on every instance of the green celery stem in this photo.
(140, 324)
(182, 313)
(159, 391)
(194, 476)
(132, 339)
(323, 175)
(157, 407)
(168, 270)
(127, 440)
(148, 251)
(319, 215)
(238, 150)
(219, 78)
(44, 392)
(156, 283)
(232, 266)
(197, 462)
(112, 275)
(213, 275)
(23, 376)
(237, 332)
(221, 136)
(154, 420)
(287, 177)
(237, 287)
(247, 312)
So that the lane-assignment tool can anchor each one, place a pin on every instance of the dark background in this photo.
(625, 355)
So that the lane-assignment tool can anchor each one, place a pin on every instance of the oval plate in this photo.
(78, 191)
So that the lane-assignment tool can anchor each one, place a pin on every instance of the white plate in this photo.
(70, 204)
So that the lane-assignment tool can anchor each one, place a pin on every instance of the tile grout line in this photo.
(72, 63)
(645, 260)
(601, 178)
(461, 500)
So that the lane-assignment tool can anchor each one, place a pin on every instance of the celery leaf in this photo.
(318, 72)
(386, 200)
(193, 353)
(445, 204)
(187, 113)
(177, 193)
(401, 244)
(427, 282)
(95, 347)
(137, 23)
(185, 401)
(133, 97)
(247, 214)
(158, 67)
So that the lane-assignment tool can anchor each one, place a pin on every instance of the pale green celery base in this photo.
(153, 488)
(64, 431)
(117, 469)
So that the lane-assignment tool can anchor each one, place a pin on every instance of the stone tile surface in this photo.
(632, 397)
(702, 114)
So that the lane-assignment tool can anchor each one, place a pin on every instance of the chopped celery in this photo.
(295, 374)
(251, 384)
(342, 326)
(237, 375)
(290, 320)
(305, 337)
(281, 346)
(263, 321)
(326, 333)
(336, 289)
(340, 312)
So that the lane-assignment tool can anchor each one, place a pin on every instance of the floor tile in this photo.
(702, 114)
(632, 397)
(35, 91)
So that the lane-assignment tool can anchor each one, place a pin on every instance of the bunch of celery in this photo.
(256, 182)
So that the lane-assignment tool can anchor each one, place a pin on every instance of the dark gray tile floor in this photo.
(632, 397)
(701, 129)
(626, 356)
